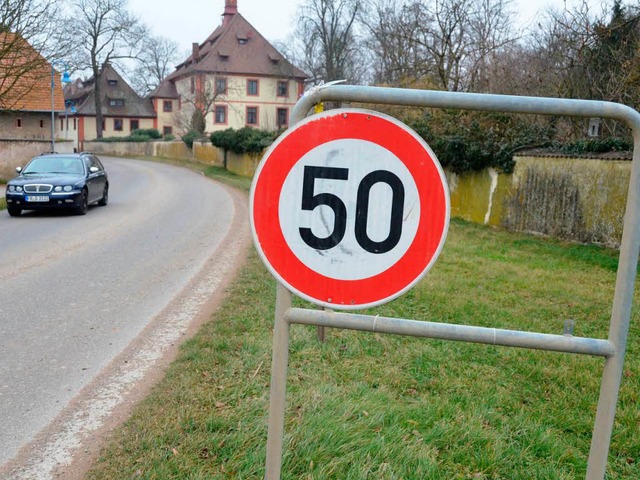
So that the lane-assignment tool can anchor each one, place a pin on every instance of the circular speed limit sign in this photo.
(349, 208)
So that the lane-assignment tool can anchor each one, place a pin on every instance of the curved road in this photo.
(78, 290)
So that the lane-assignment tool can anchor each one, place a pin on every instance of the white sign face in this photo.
(355, 160)
(349, 209)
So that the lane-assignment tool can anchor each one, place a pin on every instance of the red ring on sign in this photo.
(361, 125)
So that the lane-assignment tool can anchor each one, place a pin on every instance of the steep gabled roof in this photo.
(166, 89)
(236, 47)
(25, 78)
(112, 87)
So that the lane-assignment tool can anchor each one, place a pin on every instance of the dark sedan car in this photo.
(70, 181)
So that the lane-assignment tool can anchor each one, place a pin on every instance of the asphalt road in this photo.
(77, 290)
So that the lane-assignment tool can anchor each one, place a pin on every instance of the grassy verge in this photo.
(369, 406)
(3, 203)
(218, 173)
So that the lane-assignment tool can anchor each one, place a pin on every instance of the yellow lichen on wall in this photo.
(570, 198)
(242, 164)
(478, 196)
(176, 149)
(206, 153)
(573, 198)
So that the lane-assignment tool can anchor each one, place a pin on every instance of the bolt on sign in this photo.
(349, 209)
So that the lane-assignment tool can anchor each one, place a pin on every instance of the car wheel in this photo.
(14, 211)
(105, 197)
(83, 207)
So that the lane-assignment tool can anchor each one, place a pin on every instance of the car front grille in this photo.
(38, 188)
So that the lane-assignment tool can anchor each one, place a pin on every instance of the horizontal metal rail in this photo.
(465, 101)
(447, 331)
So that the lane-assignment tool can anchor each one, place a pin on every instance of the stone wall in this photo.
(16, 153)
(569, 198)
(203, 152)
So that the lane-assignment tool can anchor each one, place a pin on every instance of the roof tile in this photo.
(25, 78)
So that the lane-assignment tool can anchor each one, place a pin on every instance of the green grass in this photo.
(3, 203)
(373, 406)
(218, 173)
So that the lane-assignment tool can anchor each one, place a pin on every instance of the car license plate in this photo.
(37, 198)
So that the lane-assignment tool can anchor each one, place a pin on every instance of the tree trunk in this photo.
(97, 100)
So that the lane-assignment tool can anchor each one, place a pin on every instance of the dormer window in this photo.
(116, 102)
(113, 83)
(242, 41)
(274, 58)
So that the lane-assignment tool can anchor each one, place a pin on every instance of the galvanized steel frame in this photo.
(612, 349)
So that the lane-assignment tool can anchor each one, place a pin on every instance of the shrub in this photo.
(152, 133)
(225, 139)
(189, 137)
(472, 141)
(597, 145)
(139, 135)
(245, 140)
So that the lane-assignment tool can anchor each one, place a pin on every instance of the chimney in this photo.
(195, 51)
(230, 9)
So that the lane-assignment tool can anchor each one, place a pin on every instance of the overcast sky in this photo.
(189, 21)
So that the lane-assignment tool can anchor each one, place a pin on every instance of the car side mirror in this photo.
(18, 169)
(94, 169)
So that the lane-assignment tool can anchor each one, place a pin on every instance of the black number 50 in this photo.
(311, 201)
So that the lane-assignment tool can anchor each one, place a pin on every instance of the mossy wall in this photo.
(243, 164)
(479, 196)
(569, 198)
(175, 149)
(576, 199)
(206, 153)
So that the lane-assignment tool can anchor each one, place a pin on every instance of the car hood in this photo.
(48, 178)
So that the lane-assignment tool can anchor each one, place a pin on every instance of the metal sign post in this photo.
(612, 349)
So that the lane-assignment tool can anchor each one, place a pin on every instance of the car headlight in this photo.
(68, 188)
(18, 188)
(11, 188)
(57, 189)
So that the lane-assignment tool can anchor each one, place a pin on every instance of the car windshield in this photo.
(68, 165)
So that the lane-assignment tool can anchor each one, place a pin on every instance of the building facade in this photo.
(235, 78)
(123, 110)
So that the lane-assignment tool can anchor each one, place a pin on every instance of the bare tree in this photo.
(328, 47)
(197, 106)
(448, 44)
(104, 31)
(29, 33)
(393, 32)
(492, 34)
(582, 53)
(155, 61)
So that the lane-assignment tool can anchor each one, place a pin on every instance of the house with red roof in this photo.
(25, 92)
(236, 78)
